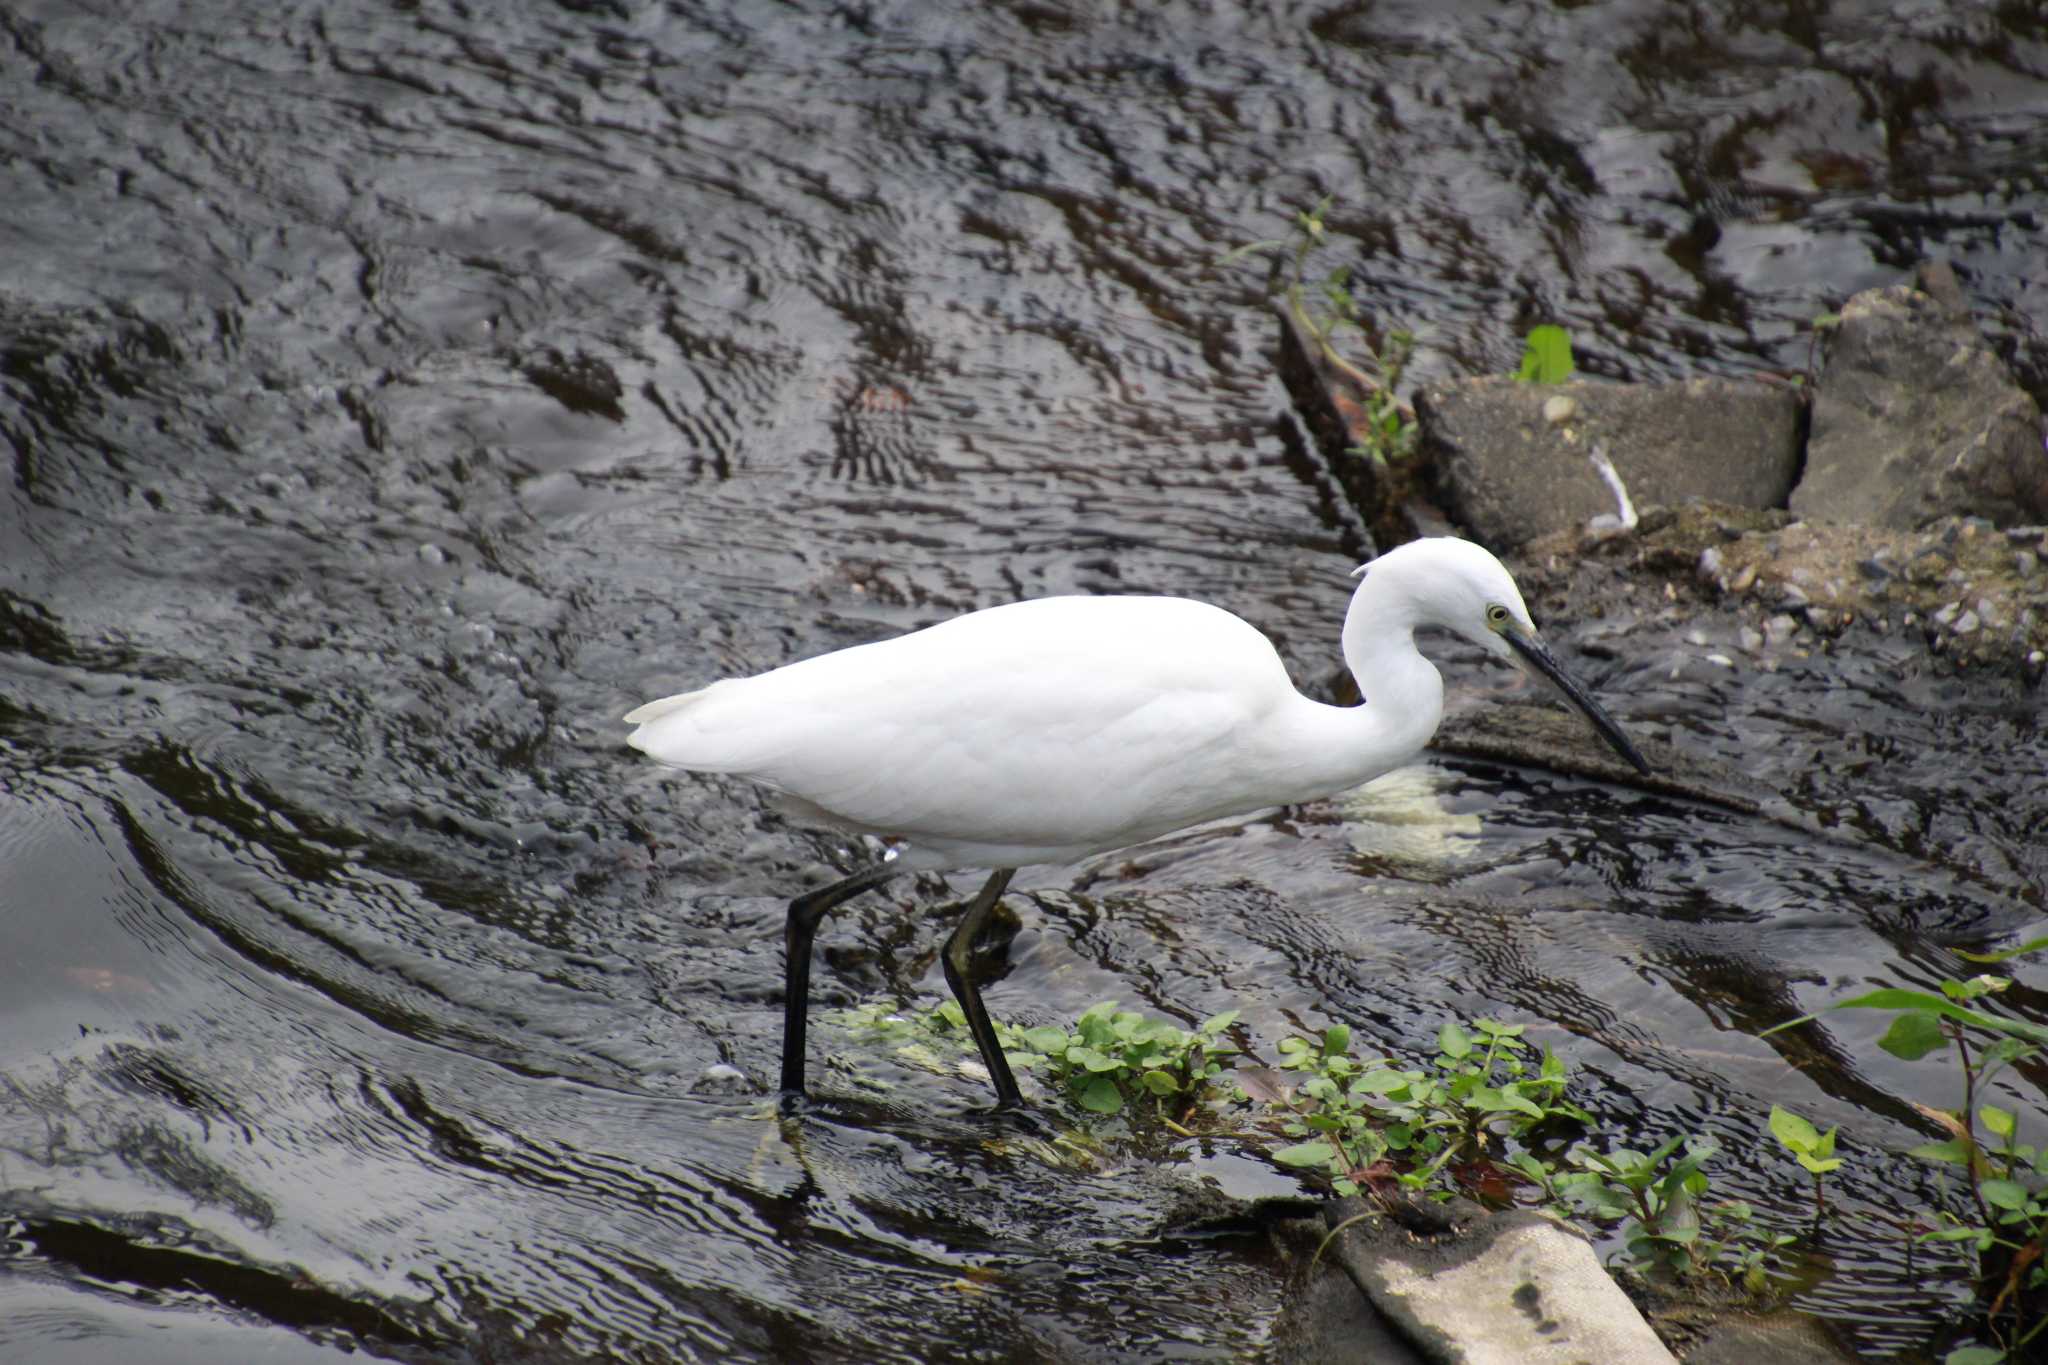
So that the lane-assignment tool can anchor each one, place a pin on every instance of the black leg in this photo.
(957, 959)
(805, 914)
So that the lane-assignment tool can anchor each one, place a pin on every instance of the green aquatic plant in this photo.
(1813, 1149)
(1330, 318)
(1440, 1127)
(2006, 1221)
(1659, 1202)
(1474, 1117)
(1111, 1059)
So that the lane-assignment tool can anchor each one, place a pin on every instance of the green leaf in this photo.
(1454, 1041)
(1216, 1023)
(1082, 1055)
(1819, 1167)
(1974, 1355)
(1046, 1038)
(1161, 1082)
(1952, 1150)
(1792, 1130)
(1896, 999)
(1999, 1121)
(1504, 1099)
(1336, 1038)
(1974, 987)
(1306, 1154)
(1100, 1096)
(1546, 356)
(2003, 1194)
(1958, 1235)
(2004, 1052)
(2032, 945)
(1913, 1035)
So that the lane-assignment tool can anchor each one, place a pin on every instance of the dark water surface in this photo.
(397, 394)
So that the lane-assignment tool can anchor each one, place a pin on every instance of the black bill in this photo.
(1538, 658)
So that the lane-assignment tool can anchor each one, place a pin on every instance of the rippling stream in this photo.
(398, 394)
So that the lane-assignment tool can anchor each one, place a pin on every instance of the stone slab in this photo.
(1511, 471)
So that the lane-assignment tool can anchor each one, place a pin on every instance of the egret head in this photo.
(1459, 586)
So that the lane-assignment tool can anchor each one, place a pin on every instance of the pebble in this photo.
(1744, 576)
(1559, 409)
(1710, 564)
(1967, 623)
(2025, 563)
(1928, 566)
(1779, 629)
(1751, 639)
(721, 1079)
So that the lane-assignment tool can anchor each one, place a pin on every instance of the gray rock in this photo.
(1914, 418)
(1490, 1289)
(1510, 475)
(1706, 1335)
(1327, 1321)
(721, 1079)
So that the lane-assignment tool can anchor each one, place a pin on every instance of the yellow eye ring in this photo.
(1496, 616)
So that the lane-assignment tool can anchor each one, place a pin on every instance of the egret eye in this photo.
(1496, 616)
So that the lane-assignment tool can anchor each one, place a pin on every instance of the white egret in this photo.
(1049, 730)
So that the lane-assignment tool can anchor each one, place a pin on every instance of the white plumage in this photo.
(1049, 730)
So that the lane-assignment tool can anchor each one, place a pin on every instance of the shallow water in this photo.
(397, 396)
